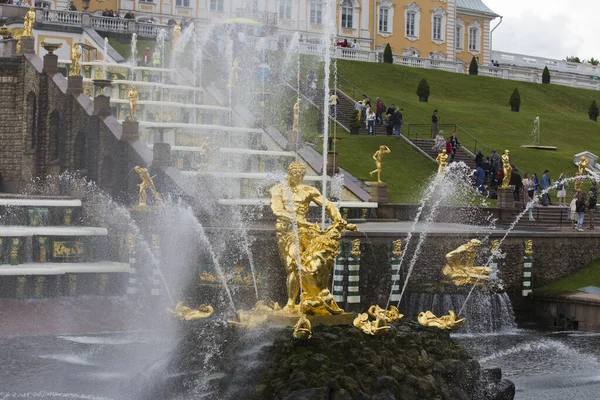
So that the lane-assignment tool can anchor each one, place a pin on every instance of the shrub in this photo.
(546, 75)
(593, 112)
(423, 89)
(473, 67)
(387, 54)
(515, 101)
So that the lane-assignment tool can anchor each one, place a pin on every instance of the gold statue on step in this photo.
(309, 256)
(296, 115)
(376, 327)
(28, 22)
(75, 57)
(378, 157)
(233, 76)
(506, 170)
(147, 183)
(442, 160)
(176, 32)
(188, 314)
(448, 322)
(133, 97)
(257, 316)
(390, 316)
(303, 329)
(459, 268)
(582, 170)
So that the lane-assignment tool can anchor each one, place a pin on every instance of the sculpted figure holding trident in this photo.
(315, 250)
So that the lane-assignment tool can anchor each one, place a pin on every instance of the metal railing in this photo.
(467, 141)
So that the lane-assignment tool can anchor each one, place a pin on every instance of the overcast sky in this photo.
(546, 28)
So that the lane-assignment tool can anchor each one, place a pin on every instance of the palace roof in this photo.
(475, 5)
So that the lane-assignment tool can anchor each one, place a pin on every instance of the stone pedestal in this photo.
(75, 85)
(8, 47)
(27, 45)
(130, 130)
(102, 106)
(378, 192)
(332, 164)
(506, 198)
(161, 155)
(50, 64)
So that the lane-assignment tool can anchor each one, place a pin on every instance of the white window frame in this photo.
(216, 5)
(285, 9)
(474, 37)
(412, 9)
(316, 12)
(384, 20)
(385, 6)
(182, 3)
(347, 14)
(459, 33)
(439, 14)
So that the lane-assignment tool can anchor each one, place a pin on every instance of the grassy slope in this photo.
(587, 276)
(480, 105)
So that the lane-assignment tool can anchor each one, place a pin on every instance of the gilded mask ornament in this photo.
(448, 322)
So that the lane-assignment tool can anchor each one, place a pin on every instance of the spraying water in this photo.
(133, 56)
(105, 57)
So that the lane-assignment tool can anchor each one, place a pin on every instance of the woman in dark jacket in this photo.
(580, 210)
(592, 199)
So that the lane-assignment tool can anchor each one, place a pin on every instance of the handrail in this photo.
(476, 143)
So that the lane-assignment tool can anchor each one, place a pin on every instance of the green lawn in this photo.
(587, 276)
(480, 105)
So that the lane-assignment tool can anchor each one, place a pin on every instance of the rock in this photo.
(397, 373)
(297, 377)
(309, 394)
(385, 383)
(408, 392)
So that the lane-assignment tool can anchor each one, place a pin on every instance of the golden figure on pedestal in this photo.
(378, 157)
(75, 57)
(442, 160)
(448, 322)
(506, 170)
(582, 170)
(233, 77)
(188, 314)
(459, 268)
(133, 97)
(28, 22)
(296, 115)
(308, 256)
(147, 183)
(176, 32)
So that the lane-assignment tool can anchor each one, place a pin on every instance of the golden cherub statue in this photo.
(146, 184)
(296, 115)
(378, 157)
(28, 22)
(133, 97)
(314, 249)
(233, 77)
(75, 57)
(188, 314)
(448, 322)
(506, 170)
(442, 160)
(459, 268)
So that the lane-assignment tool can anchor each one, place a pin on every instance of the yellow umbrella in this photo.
(242, 21)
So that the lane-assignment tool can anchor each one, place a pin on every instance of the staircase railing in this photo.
(467, 141)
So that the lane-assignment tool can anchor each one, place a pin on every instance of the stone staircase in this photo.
(461, 153)
(553, 217)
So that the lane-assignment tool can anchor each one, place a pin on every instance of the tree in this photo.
(574, 59)
(515, 101)
(387, 54)
(546, 75)
(423, 90)
(594, 61)
(593, 112)
(473, 67)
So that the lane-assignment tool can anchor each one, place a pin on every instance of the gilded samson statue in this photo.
(459, 268)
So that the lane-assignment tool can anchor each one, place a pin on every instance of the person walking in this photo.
(449, 150)
(528, 195)
(434, 124)
(333, 102)
(546, 183)
(580, 209)
(573, 211)
(516, 182)
(455, 143)
(561, 194)
(397, 117)
(371, 121)
(440, 142)
(379, 110)
(592, 199)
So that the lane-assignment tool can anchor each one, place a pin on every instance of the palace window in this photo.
(410, 23)
(383, 20)
(459, 41)
(182, 3)
(216, 5)
(474, 36)
(316, 12)
(347, 11)
(437, 28)
(412, 18)
(285, 9)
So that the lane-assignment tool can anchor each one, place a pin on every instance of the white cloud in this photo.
(546, 28)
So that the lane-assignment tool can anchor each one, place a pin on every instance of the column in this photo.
(338, 273)
(396, 255)
(527, 267)
(353, 296)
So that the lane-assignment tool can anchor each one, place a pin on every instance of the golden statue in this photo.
(296, 115)
(442, 160)
(257, 316)
(459, 268)
(390, 316)
(377, 327)
(233, 77)
(448, 322)
(133, 97)
(176, 32)
(188, 314)
(397, 250)
(582, 166)
(303, 329)
(355, 248)
(146, 184)
(528, 248)
(75, 57)
(378, 157)
(28, 22)
(309, 256)
(506, 170)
